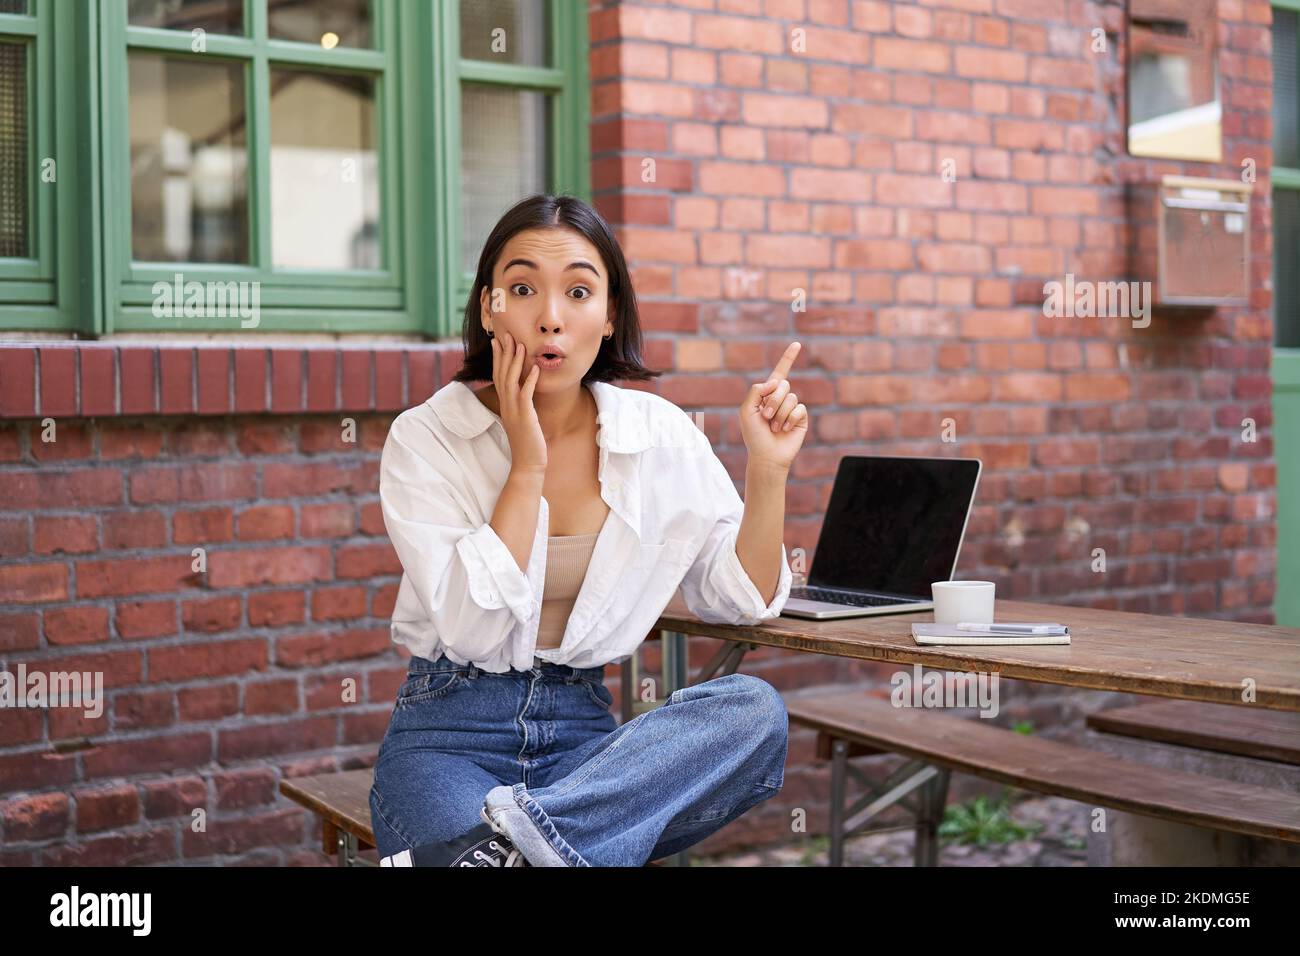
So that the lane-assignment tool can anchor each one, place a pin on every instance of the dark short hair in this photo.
(620, 355)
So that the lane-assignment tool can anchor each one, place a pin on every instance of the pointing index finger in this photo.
(782, 368)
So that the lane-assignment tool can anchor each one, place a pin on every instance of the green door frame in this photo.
(1286, 434)
(1286, 453)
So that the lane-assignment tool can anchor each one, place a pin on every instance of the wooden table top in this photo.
(1181, 657)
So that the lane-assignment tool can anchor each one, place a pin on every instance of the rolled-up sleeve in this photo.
(717, 588)
(464, 576)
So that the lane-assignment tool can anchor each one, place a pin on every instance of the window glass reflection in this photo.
(213, 16)
(324, 171)
(329, 23)
(189, 159)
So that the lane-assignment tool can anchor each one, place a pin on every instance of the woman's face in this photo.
(550, 290)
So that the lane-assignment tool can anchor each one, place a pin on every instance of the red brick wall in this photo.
(220, 682)
(821, 170)
(773, 171)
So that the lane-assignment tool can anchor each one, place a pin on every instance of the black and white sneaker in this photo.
(481, 846)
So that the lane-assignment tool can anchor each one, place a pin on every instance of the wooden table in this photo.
(1176, 657)
(1179, 657)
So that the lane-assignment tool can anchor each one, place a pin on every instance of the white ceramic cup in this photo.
(959, 601)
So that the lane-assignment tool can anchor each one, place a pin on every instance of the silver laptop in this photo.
(893, 527)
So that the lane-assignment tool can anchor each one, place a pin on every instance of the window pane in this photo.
(1286, 103)
(324, 171)
(13, 6)
(330, 23)
(509, 31)
(1286, 278)
(214, 16)
(189, 158)
(504, 148)
(13, 150)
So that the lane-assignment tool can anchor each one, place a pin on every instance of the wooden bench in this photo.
(1241, 744)
(342, 801)
(1222, 728)
(851, 722)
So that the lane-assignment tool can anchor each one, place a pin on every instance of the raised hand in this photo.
(773, 422)
(518, 415)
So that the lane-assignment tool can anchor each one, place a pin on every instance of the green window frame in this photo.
(564, 79)
(36, 290)
(417, 73)
(302, 300)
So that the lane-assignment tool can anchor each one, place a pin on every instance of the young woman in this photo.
(543, 523)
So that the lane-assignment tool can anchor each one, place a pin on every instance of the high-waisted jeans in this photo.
(569, 786)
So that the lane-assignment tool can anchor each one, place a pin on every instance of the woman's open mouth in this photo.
(549, 360)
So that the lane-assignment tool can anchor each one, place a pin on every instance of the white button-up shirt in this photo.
(673, 520)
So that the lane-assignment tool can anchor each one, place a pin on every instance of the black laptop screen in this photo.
(894, 524)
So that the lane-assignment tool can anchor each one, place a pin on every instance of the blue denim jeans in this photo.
(570, 787)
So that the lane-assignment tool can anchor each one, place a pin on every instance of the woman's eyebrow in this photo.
(529, 263)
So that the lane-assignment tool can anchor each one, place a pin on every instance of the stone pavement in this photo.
(1061, 841)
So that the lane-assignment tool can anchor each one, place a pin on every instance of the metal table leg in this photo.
(349, 851)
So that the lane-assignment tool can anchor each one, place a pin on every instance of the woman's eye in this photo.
(583, 288)
(518, 285)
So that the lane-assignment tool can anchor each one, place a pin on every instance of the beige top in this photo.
(567, 558)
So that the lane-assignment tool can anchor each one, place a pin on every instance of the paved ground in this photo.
(1059, 842)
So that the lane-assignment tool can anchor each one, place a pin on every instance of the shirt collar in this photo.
(623, 425)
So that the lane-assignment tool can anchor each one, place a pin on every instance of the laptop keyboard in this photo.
(844, 597)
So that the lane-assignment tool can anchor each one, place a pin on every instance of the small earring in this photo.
(491, 334)
(610, 336)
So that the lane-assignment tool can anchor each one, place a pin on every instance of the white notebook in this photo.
(948, 634)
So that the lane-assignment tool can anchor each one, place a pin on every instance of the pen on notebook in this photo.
(1012, 628)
